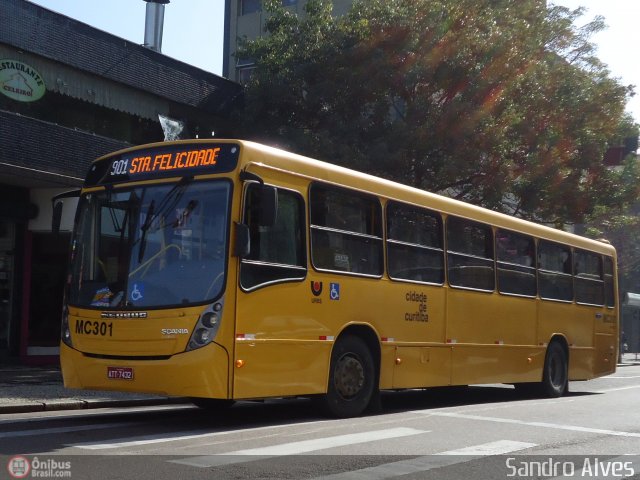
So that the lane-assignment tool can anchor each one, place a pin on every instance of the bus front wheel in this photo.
(351, 378)
(555, 376)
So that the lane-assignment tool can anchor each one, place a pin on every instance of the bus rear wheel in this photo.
(351, 378)
(555, 376)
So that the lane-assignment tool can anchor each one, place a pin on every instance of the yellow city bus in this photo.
(223, 269)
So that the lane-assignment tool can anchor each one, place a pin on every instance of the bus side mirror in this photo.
(56, 217)
(57, 205)
(242, 246)
(268, 206)
(266, 198)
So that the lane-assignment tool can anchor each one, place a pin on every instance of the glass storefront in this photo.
(7, 244)
(49, 260)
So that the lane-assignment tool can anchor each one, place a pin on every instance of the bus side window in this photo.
(346, 230)
(277, 252)
(555, 280)
(470, 254)
(414, 244)
(588, 281)
(609, 286)
(516, 263)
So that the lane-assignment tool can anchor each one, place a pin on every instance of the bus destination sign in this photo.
(170, 161)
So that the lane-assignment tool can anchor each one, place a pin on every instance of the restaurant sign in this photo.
(20, 81)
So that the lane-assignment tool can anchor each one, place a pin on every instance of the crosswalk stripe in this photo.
(499, 447)
(556, 426)
(295, 448)
(609, 390)
(55, 430)
(173, 437)
(430, 462)
(146, 440)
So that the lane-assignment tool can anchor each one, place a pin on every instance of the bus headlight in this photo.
(207, 327)
(210, 319)
(65, 331)
(202, 336)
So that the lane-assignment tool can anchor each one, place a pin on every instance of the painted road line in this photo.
(430, 462)
(555, 426)
(608, 390)
(61, 415)
(128, 442)
(296, 448)
(49, 431)
(499, 447)
(146, 440)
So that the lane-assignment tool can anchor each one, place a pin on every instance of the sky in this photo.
(194, 31)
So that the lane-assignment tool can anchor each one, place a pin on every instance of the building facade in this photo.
(246, 19)
(70, 93)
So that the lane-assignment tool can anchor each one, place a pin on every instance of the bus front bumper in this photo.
(199, 373)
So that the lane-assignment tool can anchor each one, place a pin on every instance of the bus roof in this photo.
(328, 172)
(256, 155)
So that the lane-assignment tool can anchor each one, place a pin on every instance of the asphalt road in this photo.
(474, 432)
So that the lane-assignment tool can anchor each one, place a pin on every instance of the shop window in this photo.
(7, 245)
(50, 256)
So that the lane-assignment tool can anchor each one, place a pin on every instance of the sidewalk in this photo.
(33, 389)
(629, 359)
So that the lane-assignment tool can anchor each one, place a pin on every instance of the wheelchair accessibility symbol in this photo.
(334, 291)
(138, 292)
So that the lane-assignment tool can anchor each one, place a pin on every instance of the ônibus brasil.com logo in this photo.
(18, 467)
(21, 467)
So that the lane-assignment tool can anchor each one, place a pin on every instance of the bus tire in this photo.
(555, 376)
(351, 379)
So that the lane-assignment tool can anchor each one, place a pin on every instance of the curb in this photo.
(51, 406)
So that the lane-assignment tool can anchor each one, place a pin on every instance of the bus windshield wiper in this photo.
(168, 202)
(144, 228)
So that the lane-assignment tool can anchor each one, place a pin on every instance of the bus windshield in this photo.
(150, 246)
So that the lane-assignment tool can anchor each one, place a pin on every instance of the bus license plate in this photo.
(120, 373)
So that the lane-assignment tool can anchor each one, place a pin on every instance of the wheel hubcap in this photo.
(349, 376)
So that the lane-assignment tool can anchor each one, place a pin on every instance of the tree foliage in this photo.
(622, 228)
(498, 102)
